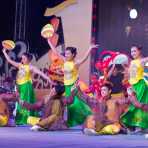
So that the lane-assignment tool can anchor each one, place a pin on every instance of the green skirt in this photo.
(135, 117)
(26, 93)
(78, 111)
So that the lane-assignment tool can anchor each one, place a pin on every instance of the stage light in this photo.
(133, 13)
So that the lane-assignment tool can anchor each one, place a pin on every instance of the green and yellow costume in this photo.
(135, 116)
(26, 92)
(79, 110)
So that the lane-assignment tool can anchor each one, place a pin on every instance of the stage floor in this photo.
(22, 137)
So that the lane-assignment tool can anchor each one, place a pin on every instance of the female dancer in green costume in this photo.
(135, 117)
(24, 85)
(78, 111)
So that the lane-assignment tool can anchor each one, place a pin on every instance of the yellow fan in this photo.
(8, 44)
(47, 31)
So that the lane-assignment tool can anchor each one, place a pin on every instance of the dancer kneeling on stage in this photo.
(99, 122)
(4, 108)
(53, 110)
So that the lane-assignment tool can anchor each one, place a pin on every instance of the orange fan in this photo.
(47, 31)
(8, 44)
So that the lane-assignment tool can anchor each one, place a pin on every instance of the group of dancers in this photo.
(116, 107)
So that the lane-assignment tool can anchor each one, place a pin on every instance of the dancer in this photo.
(115, 77)
(24, 84)
(135, 117)
(100, 122)
(78, 111)
(53, 106)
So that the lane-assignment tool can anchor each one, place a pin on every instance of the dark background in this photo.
(34, 22)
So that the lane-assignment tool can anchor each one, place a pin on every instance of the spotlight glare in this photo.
(133, 13)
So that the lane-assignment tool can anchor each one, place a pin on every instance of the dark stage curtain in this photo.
(35, 20)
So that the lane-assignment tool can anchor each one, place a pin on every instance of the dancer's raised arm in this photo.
(14, 63)
(144, 60)
(55, 50)
(37, 71)
(110, 72)
(79, 62)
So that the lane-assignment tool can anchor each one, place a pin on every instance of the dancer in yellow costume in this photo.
(135, 117)
(79, 110)
(24, 84)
